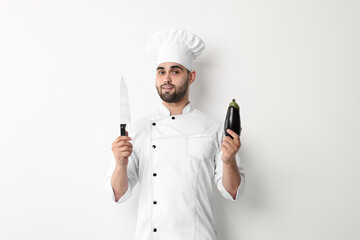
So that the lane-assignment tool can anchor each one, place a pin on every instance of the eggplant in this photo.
(232, 120)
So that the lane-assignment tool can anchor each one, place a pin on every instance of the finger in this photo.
(223, 148)
(126, 154)
(123, 144)
(125, 149)
(115, 146)
(234, 143)
(235, 136)
(230, 141)
(226, 144)
(232, 133)
(122, 138)
(118, 148)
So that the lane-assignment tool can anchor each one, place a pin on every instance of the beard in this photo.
(178, 92)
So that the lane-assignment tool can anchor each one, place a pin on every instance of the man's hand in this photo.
(122, 149)
(230, 147)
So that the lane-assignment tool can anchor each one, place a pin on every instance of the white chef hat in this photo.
(175, 45)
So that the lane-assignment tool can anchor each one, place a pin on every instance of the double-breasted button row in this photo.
(154, 123)
(154, 202)
(154, 174)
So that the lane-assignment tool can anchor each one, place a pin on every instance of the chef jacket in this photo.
(176, 159)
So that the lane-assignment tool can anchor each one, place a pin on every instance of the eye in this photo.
(161, 72)
(175, 72)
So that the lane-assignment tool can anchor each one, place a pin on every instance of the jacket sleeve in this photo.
(218, 173)
(133, 177)
(218, 176)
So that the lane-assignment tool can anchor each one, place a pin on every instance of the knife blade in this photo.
(125, 117)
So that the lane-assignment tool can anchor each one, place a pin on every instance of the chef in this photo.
(176, 152)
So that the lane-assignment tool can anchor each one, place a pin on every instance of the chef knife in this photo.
(124, 108)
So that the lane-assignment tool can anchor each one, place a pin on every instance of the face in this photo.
(172, 81)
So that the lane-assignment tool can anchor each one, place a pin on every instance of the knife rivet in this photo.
(154, 124)
(173, 118)
(153, 146)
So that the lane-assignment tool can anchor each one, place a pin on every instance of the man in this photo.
(176, 152)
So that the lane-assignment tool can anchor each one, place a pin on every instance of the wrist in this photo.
(120, 167)
(230, 163)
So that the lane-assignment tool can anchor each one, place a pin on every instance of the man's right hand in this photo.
(122, 149)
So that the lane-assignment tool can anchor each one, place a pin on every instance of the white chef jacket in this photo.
(176, 159)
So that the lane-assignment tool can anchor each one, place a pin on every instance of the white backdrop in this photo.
(293, 66)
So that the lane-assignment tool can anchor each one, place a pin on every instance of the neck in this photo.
(176, 108)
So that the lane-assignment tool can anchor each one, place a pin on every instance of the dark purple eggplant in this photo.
(232, 120)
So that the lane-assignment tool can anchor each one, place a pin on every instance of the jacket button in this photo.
(155, 230)
(153, 146)
(154, 174)
(154, 202)
(154, 124)
(173, 118)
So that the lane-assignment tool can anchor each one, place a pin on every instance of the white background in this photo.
(293, 67)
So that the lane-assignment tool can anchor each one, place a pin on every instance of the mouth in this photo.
(167, 87)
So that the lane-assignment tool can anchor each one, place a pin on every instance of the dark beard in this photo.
(178, 94)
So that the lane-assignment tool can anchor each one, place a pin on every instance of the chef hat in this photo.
(175, 45)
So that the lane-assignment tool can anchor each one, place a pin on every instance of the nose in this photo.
(167, 78)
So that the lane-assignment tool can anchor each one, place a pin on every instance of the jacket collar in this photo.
(165, 112)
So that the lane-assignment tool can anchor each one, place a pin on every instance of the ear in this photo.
(192, 76)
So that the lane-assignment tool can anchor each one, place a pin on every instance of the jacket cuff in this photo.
(239, 191)
(110, 190)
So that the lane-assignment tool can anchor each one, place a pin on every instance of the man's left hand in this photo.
(230, 147)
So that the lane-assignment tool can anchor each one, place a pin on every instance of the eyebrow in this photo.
(171, 67)
(176, 66)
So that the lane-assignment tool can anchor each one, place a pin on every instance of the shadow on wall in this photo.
(199, 89)
(227, 213)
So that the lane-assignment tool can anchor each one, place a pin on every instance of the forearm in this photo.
(119, 181)
(231, 178)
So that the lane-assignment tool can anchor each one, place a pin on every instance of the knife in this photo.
(124, 108)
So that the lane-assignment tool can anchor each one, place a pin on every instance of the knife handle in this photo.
(122, 130)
